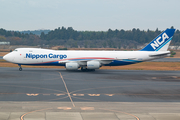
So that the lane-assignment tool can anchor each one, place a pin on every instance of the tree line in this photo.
(73, 38)
(135, 34)
(6, 33)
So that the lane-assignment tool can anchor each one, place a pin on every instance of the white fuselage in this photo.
(36, 56)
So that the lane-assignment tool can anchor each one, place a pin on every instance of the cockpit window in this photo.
(15, 50)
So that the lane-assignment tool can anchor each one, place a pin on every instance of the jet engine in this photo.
(72, 66)
(93, 65)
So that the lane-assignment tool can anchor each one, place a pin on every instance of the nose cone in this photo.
(7, 57)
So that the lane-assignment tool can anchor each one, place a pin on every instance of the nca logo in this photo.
(160, 40)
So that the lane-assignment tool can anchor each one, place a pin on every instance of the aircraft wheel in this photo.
(20, 69)
(82, 69)
(87, 70)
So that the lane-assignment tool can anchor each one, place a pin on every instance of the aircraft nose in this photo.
(7, 57)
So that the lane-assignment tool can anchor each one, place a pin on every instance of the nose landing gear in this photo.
(20, 68)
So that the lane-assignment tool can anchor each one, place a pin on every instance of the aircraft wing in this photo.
(85, 60)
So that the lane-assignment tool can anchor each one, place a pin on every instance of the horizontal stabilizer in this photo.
(160, 54)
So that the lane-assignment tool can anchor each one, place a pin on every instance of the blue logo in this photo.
(37, 56)
(159, 41)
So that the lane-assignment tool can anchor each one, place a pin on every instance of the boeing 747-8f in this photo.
(91, 60)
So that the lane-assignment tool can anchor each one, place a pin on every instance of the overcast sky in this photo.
(93, 15)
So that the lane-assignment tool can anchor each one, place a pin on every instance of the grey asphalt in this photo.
(98, 86)
(49, 94)
(167, 60)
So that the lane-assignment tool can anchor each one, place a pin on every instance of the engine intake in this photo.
(72, 66)
(93, 65)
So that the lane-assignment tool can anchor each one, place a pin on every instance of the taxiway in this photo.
(37, 93)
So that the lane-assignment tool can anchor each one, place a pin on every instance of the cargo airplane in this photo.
(91, 60)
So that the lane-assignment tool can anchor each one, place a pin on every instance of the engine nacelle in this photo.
(93, 65)
(72, 66)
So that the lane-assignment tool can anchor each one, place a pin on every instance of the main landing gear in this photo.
(20, 68)
(84, 69)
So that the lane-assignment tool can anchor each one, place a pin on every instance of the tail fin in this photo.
(161, 42)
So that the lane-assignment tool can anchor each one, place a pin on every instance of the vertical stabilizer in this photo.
(161, 42)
